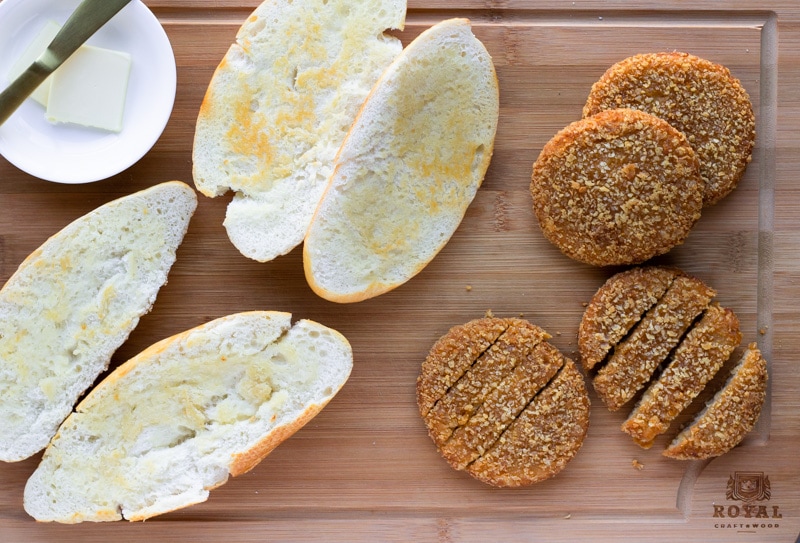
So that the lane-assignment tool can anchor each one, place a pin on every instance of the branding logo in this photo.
(749, 490)
(748, 486)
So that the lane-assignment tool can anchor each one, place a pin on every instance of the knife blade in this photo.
(88, 18)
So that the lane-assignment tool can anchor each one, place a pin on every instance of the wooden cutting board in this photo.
(365, 469)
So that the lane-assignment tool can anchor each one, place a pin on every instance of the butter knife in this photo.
(87, 18)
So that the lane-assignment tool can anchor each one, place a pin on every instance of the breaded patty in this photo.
(698, 97)
(695, 362)
(656, 331)
(619, 187)
(616, 307)
(516, 414)
(729, 416)
(634, 360)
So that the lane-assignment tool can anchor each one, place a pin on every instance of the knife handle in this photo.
(87, 19)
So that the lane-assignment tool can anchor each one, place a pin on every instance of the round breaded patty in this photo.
(655, 332)
(698, 97)
(502, 403)
(619, 187)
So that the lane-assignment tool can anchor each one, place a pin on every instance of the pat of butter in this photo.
(29, 56)
(90, 89)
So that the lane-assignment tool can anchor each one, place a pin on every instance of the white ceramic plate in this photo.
(73, 154)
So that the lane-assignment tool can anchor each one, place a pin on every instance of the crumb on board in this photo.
(636, 464)
(468, 288)
(762, 330)
(568, 516)
(489, 314)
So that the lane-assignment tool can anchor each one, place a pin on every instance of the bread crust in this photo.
(700, 98)
(619, 187)
(515, 415)
(730, 415)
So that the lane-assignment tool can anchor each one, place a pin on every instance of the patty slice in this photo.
(730, 415)
(696, 361)
(634, 360)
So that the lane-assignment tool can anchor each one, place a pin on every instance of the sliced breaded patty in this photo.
(478, 412)
(502, 406)
(461, 400)
(634, 360)
(616, 188)
(452, 355)
(729, 416)
(695, 362)
(543, 439)
(616, 307)
(698, 97)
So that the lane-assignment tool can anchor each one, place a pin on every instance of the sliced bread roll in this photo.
(408, 169)
(74, 301)
(279, 105)
(174, 421)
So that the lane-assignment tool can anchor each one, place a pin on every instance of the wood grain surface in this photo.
(365, 469)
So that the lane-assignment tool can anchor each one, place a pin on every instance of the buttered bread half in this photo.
(74, 301)
(408, 169)
(180, 417)
(278, 107)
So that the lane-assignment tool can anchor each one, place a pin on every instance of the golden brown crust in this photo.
(616, 307)
(452, 355)
(462, 400)
(243, 462)
(477, 411)
(695, 362)
(636, 358)
(698, 97)
(543, 439)
(511, 395)
(729, 416)
(615, 188)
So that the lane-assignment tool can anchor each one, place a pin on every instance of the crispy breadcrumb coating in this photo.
(514, 415)
(634, 360)
(695, 362)
(729, 416)
(698, 97)
(616, 188)
(616, 307)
